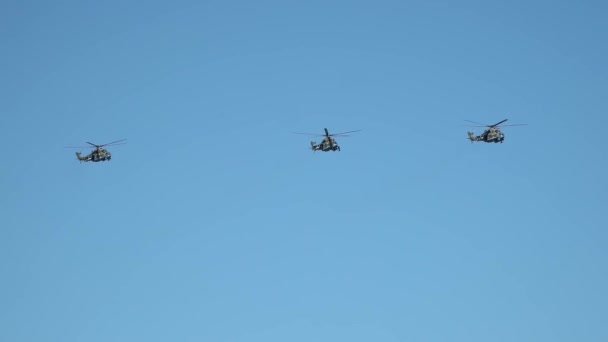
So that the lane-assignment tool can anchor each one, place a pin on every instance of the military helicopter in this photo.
(490, 135)
(99, 153)
(328, 143)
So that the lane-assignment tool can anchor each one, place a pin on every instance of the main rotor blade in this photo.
(477, 123)
(502, 126)
(311, 134)
(359, 130)
(494, 125)
(113, 142)
(92, 144)
(76, 147)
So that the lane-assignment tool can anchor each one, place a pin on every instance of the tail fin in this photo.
(312, 146)
(79, 157)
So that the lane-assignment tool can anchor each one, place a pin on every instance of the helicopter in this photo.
(328, 143)
(99, 153)
(490, 135)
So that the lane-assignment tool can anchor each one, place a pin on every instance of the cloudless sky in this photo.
(216, 223)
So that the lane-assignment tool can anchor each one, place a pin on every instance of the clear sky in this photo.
(215, 223)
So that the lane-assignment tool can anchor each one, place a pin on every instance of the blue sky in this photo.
(215, 223)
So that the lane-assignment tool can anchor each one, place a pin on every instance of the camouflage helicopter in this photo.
(490, 135)
(99, 153)
(328, 143)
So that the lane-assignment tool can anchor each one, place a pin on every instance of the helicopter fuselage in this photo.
(489, 136)
(325, 146)
(95, 156)
(328, 143)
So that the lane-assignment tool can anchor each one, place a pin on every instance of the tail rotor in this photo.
(471, 136)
